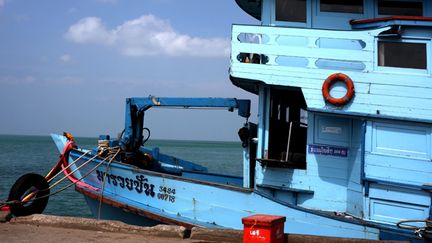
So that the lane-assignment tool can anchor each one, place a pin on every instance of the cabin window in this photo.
(395, 7)
(402, 54)
(287, 130)
(291, 10)
(341, 6)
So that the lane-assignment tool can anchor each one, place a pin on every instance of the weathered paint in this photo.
(379, 92)
(315, 18)
(209, 205)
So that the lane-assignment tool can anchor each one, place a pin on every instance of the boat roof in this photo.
(252, 7)
(419, 21)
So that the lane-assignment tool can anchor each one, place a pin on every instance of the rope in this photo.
(422, 231)
(79, 167)
(87, 174)
(103, 184)
(31, 195)
(5, 203)
(69, 165)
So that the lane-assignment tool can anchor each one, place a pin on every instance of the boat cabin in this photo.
(345, 104)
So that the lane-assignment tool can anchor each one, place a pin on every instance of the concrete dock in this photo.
(49, 228)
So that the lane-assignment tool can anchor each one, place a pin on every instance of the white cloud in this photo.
(146, 36)
(65, 58)
(2, 3)
(89, 30)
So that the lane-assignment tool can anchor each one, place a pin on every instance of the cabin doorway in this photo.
(287, 128)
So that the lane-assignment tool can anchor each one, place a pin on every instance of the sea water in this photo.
(38, 154)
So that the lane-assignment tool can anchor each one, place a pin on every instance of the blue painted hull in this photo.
(111, 212)
(144, 197)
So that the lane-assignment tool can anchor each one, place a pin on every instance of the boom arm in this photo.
(135, 108)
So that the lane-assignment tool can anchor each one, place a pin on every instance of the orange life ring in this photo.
(332, 79)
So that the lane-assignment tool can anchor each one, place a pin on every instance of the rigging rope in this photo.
(30, 197)
(421, 231)
(103, 184)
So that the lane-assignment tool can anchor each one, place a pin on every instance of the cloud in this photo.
(2, 3)
(146, 36)
(89, 30)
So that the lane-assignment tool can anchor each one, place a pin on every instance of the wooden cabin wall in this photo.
(355, 197)
(398, 164)
(330, 182)
(328, 20)
(385, 92)
(386, 183)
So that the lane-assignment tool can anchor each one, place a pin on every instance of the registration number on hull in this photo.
(140, 184)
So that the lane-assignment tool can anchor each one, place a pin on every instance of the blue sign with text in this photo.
(328, 150)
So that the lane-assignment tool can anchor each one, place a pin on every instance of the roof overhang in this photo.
(392, 21)
(252, 7)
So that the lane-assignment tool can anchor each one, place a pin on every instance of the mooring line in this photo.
(5, 203)
(103, 184)
(69, 165)
(79, 167)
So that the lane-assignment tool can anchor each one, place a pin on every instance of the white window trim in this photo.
(421, 72)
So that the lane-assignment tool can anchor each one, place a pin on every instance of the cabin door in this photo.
(397, 166)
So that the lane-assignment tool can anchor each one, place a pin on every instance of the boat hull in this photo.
(176, 200)
(124, 192)
(115, 211)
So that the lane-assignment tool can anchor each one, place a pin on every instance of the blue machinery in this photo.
(132, 138)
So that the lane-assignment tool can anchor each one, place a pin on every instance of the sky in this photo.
(70, 65)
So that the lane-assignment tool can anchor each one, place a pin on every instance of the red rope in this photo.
(60, 165)
(63, 163)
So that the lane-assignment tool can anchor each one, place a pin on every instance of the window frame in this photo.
(275, 22)
(425, 7)
(267, 133)
(337, 20)
(401, 70)
(344, 14)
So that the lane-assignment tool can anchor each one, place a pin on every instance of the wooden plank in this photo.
(335, 34)
(307, 52)
(417, 178)
(368, 109)
(412, 165)
(399, 194)
(383, 100)
(271, 72)
(401, 91)
(284, 72)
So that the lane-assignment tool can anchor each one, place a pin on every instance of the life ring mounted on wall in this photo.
(332, 79)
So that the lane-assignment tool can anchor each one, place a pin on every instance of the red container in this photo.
(263, 228)
(5, 209)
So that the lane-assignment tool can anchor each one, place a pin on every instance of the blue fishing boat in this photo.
(343, 142)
